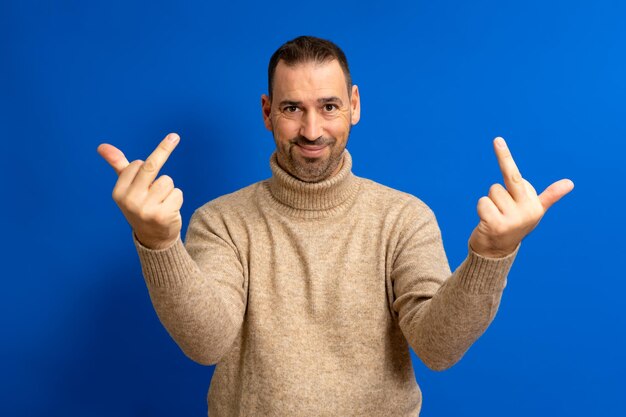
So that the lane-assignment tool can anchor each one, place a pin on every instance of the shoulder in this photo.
(237, 202)
(410, 221)
(226, 216)
(406, 219)
(382, 197)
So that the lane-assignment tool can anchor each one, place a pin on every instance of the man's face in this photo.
(310, 116)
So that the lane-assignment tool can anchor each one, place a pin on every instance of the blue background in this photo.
(438, 81)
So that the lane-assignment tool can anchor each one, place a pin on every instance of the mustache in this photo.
(321, 141)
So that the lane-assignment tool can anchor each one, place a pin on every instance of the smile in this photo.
(311, 151)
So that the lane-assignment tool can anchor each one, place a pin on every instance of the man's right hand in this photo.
(151, 207)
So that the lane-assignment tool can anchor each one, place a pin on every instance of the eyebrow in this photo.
(323, 100)
(333, 99)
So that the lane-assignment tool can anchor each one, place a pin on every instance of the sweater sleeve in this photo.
(442, 314)
(197, 289)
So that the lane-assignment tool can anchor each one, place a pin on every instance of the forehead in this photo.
(309, 80)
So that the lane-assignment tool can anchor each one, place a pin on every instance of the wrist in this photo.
(487, 248)
(156, 245)
(492, 253)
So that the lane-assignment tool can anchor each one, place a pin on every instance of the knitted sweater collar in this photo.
(327, 195)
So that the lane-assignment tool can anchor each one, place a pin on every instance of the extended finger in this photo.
(150, 169)
(113, 156)
(555, 192)
(510, 172)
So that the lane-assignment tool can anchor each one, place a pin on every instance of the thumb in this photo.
(113, 156)
(555, 192)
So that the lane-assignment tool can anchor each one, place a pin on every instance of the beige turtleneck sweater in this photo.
(308, 296)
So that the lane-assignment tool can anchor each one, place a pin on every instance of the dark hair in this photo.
(307, 49)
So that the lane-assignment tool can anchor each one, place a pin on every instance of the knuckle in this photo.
(163, 182)
(160, 218)
(164, 147)
(134, 207)
(179, 195)
(529, 188)
(494, 189)
(167, 180)
(131, 167)
(127, 202)
(516, 177)
(149, 165)
(117, 195)
(136, 164)
(131, 199)
(145, 214)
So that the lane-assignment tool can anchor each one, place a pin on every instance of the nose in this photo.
(311, 127)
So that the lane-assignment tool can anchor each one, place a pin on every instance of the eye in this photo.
(330, 107)
(290, 109)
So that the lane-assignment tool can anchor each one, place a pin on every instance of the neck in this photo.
(317, 197)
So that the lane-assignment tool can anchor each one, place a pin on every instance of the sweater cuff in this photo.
(480, 275)
(164, 267)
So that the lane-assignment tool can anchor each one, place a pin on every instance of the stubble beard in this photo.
(311, 169)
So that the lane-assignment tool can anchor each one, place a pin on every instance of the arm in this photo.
(442, 314)
(442, 322)
(198, 290)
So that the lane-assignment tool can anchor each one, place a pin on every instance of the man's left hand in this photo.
(508, 214)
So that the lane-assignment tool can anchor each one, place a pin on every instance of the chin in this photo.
(314, 170)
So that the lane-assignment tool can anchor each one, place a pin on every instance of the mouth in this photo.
(310, 151)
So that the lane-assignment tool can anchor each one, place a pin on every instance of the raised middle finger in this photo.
(510, 173)
(153, 164)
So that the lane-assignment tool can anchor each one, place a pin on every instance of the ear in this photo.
(266, 108)
(355, 105)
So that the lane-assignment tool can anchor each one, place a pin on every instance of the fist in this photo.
(151, 205)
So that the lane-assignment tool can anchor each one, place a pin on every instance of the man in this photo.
(307, 289)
